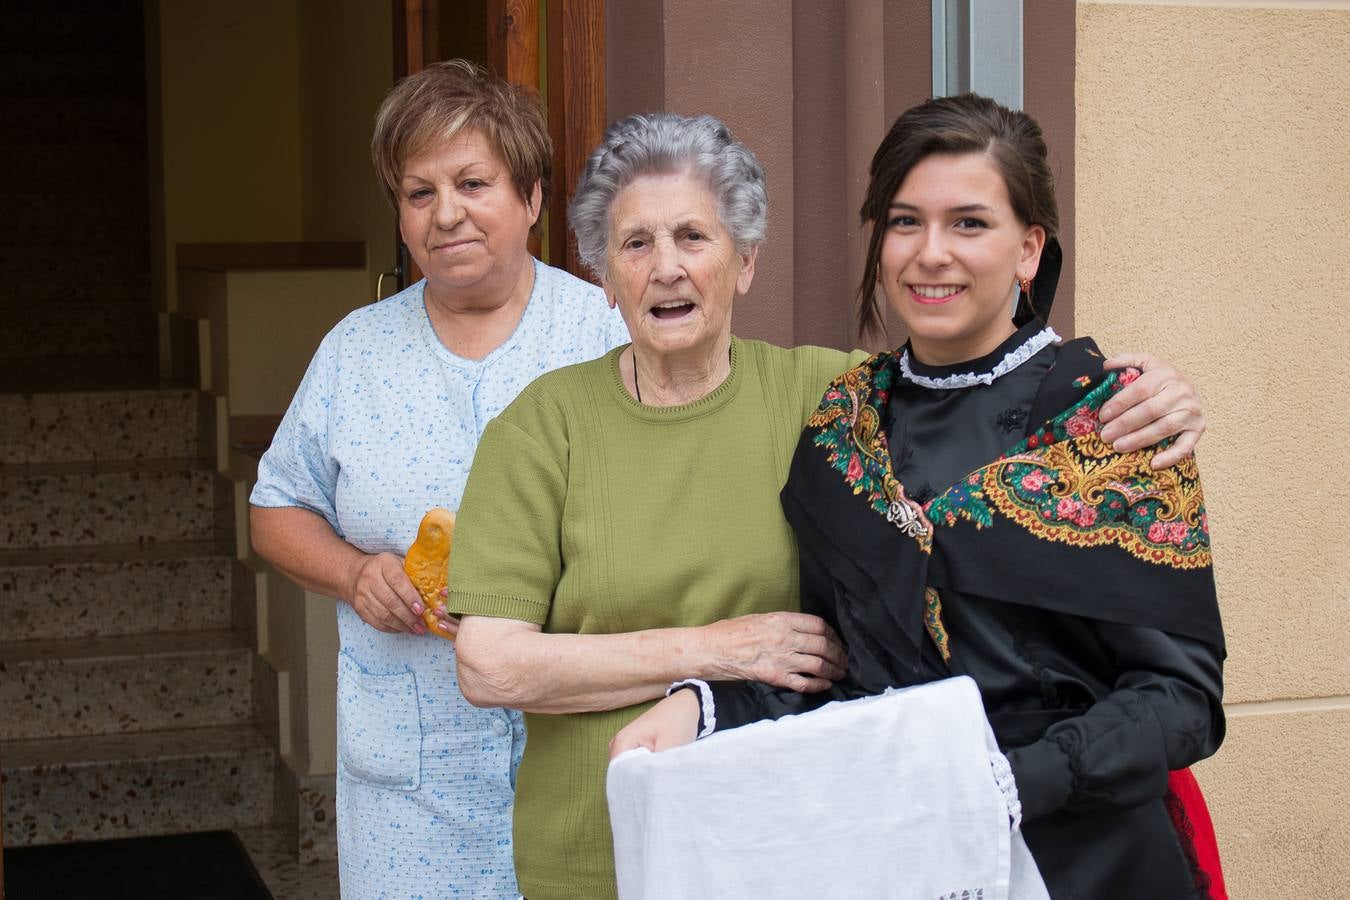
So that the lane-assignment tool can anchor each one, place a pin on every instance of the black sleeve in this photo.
(737, 703)
(1165, 712)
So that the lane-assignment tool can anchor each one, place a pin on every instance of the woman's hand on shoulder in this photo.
(673, 722)
(1160, 403)
(383, 595)
(796, 651)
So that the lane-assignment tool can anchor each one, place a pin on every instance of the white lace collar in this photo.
(1014, 358)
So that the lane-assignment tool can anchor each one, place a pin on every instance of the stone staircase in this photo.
(127, 688)
(128, 698)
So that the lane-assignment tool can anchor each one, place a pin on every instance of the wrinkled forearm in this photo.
(303, 547)
(506, 662)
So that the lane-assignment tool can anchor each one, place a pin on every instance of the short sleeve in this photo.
(298, 469)
(820, 366)
(507, 556)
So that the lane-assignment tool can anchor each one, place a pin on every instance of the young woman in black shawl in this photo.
(958, 513)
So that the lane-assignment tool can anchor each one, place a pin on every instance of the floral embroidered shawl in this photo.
(1060, 521)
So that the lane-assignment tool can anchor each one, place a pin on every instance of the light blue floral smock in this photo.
(383, 428)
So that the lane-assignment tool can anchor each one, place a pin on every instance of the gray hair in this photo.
(663, 143)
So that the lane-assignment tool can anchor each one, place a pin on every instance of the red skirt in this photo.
(1190, 816)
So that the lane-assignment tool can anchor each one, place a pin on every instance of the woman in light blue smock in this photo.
(384, 427)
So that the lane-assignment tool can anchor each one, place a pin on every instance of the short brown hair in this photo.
(430, 107)
(967, 123)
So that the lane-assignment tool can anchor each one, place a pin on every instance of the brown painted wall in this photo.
(735, 61)
(1048, 36)
(635, 57)
(820, 297)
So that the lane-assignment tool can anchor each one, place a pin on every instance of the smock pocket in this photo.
(379, 730)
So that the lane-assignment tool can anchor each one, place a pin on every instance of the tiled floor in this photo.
(286, 878)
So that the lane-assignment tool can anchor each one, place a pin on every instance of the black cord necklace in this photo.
(637, 388)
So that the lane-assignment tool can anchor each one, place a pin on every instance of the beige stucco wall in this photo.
(265, 326)
(227, 125)
(1213, 205)
(260, 119)
(346, 66)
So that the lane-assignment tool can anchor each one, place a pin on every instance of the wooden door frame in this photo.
(576, 110)
(573, 87)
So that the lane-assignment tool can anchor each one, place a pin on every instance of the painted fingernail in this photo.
(417, 609)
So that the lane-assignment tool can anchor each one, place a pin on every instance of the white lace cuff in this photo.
(707, 714)
(1003, 776)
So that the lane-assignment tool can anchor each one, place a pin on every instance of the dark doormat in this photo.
(208, 865)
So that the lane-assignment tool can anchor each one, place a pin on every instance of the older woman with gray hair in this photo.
(621, 526)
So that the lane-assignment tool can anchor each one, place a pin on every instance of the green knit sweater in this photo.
(589, 513)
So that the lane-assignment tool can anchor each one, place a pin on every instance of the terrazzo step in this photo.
(272, 850)
(53, 374)
(84, 504)
(119, 589)
(101, 277)
(98, 425)
(39, 275)
(131, 785)
(45, 330)
(131, 683)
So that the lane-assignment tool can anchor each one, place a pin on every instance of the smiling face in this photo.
(463, 221)
(951, 257)
(672, 267)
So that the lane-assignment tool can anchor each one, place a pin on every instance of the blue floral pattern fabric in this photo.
(383, 427)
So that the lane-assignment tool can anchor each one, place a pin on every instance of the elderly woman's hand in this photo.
(671, 723)
(383, 596)
(797, 651)
(1159, 403)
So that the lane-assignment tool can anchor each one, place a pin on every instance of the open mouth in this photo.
(672, 309)
(934, 293)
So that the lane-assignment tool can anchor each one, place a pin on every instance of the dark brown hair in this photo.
(967, 123)
(429, 108)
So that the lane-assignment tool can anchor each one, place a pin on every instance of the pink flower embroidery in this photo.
(1086, 515)
(1066, 508)
(1084, 421)
(1128, 375)
(854, 468)
(1158, 532)
(1034, 480)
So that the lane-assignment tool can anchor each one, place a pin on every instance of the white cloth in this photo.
(384, 427)
(887, 796)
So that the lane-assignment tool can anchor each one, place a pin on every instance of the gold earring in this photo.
(1025, 285)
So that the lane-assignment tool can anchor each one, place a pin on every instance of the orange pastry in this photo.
(428, 562)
